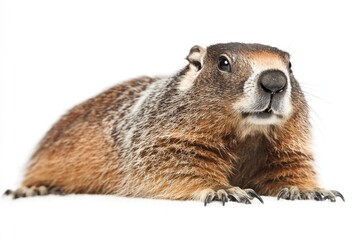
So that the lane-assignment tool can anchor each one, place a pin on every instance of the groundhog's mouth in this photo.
(267, 113)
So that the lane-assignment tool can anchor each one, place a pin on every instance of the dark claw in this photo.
(293, 195)
(208, 199)
(318, 196)
(223, 199)
(282, 193)
(252, 193)
(338, 194)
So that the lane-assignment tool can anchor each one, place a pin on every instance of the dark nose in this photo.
(273, 81)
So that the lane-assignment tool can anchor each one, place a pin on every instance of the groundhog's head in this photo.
(252, 81)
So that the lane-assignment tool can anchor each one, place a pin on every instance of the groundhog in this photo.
(231, 125)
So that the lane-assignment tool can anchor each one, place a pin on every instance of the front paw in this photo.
(318, 194)
(225, 194)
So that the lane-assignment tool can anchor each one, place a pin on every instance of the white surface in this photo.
(109, 217)
(55, 54)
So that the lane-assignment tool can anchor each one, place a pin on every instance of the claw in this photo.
(223, 199)
(208, 199)
(253, 194)
(282, 192)
(338, 194)
(331, 197)
(318, 197)
(293, 195)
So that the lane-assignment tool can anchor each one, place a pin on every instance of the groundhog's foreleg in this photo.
(206, 188)
(197, 169)
(189, 179)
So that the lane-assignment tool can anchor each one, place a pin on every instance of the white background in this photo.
(55, 54)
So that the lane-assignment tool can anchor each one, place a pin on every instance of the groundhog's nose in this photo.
(273, 81)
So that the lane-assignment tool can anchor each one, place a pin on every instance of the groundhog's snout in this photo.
(273, 81)
(266, 98)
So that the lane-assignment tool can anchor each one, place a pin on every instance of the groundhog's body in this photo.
(214, 127)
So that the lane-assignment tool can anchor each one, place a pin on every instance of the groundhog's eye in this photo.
(290, 65)
(224, 64)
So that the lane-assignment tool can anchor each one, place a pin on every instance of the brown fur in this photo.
(76, 153)
(148, 137)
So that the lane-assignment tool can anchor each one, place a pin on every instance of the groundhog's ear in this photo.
(196, 56)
